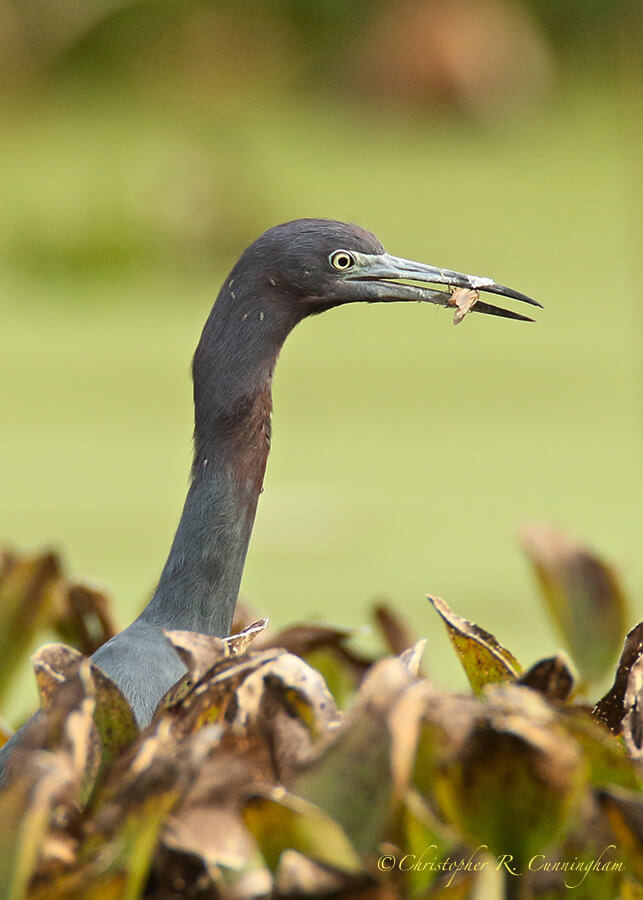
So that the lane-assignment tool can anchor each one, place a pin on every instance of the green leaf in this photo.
(422, 833)
(608, 761)
(484, 660)
(25, 809)
(280, 821)
(516, 778)
(113, 716)
(625, 814)
(356, 777)
(584, 598)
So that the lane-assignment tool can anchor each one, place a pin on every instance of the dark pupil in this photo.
(343, 261)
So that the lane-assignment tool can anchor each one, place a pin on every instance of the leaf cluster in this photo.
(288, 765)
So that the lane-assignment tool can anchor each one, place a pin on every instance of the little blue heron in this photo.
(292, 271)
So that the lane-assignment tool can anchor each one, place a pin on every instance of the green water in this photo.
(406, 452)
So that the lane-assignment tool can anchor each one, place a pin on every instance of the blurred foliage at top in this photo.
(462, 52)
(482, 60)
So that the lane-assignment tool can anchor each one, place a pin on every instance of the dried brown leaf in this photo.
(397, 634)
(199, 652)
(54, 665)
(286, 703)
(623, 698)
(215, 695)
(25, 811)
(299, 876)
(305, 638)
(208, 821)
(87, 620)
(28, 598)
(216, 834)
(239, 643)
(412, 657)
(551, 677)
(35, 594)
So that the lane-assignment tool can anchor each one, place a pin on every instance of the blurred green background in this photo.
(144, 145)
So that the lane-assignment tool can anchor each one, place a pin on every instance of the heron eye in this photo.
(341, 260)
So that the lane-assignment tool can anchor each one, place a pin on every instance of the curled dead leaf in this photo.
(621, 709)
(239, 643)
(551, 677)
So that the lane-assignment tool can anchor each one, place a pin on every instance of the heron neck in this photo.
(232, 372)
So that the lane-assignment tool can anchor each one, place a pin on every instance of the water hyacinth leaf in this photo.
(287, 706)
(279, 821)
(446, 723)
(239, 643)
(113, 715)
(83, 884)
(612, 708)
(412, 657)
(27, 598)
(604, 753)
(404, 721)
(305, 638)
(396, 633)
(551, 677)
(66, 722)
(214, 833)
(424, 837)
(85, 618)
(625, 814)
(299, 876)
(633, 718)
(461, 888)
(631, 890)
(129, 809)
(199, 652)
(513, 742)
(67, 691)
(356, 765)
(54, 665)
(338, 675)
(300, 686)
(25, 809)
(327, 649)
(584, 598)
(35, 594)
(483, 658)
(206, 702)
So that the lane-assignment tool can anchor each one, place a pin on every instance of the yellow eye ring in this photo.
(341, 260)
